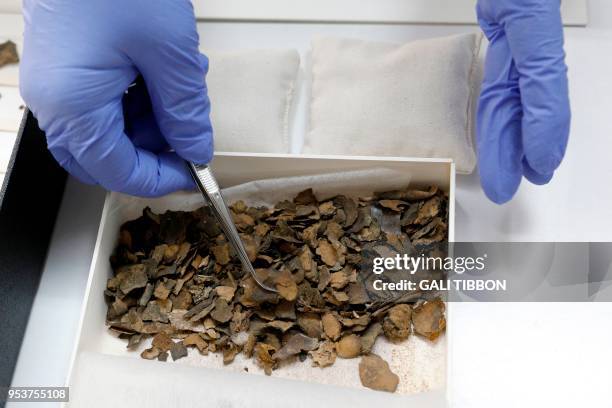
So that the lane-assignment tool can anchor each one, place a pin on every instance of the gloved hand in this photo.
(524, 114)
(80, 57)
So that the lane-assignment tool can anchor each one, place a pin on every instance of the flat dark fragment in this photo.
(146, 295)
(369, 337)
(154, 313)
(198, 308)
(222, 312)
(178, 350)
(163, 356)
(132, 277)
(135, 341)
(8, 53)
(296, 344)
(305, 197)
(117, 309)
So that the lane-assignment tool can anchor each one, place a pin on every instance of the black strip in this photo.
(29, 202)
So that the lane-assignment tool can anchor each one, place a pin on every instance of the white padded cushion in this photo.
(251, 94)
(376, 99)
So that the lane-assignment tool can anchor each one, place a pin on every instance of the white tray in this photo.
(232, 169)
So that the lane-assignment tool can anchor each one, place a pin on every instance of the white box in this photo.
(233, 169)
(11, 108)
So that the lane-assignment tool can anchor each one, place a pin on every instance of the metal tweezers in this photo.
(209, 188)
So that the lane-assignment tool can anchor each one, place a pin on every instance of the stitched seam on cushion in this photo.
(307, 144)
(288, 105)
(471, 102)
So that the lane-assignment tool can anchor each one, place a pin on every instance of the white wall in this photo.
(387, 11)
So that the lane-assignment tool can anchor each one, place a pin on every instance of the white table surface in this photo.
(509, 354)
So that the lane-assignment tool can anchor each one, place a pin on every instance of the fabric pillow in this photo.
(251, 93)
(376, 99)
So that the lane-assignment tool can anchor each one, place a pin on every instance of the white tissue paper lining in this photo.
(420, 364)
(350, 183)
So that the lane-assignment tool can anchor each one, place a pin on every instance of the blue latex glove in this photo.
(524, 114)
(80, 57)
